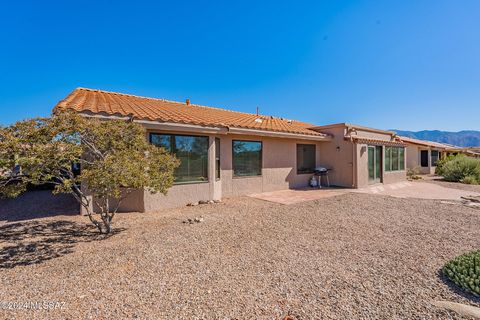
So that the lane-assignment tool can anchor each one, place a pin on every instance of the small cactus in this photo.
(464, 271)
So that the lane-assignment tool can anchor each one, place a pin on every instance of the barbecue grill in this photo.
(322, 172)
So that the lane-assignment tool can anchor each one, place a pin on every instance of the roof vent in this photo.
(187, 102)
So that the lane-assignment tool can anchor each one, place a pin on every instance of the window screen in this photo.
(305, 158)
(394, 158)
(217, 158)
(434, 154)
(247, 158)
(192, 151)
(424, 158)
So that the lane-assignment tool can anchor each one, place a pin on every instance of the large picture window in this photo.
(305, 158)
(247, 158)
(192, 151)
(394, 158)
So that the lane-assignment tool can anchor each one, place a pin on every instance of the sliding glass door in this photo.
(374, 164)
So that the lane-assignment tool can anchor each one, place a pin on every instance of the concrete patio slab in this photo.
(418, 190)
(298, 195)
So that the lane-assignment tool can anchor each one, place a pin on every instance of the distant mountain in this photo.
(466, 138)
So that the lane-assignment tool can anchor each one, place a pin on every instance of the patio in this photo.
(405, 189)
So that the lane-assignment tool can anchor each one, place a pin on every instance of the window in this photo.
(401, 158)
(305, 158)
(217, 158)
(434, 155)
(247, 158)
(394, 158)
(388, 158)
(192, 151)
(424, 158)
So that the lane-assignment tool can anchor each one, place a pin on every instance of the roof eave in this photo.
(220, 129)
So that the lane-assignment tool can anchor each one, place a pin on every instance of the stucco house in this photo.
(225, 153)
(423, 155)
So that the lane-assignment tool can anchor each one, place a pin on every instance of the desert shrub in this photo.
(413, 173)
(441, 163)
(459, 168)
(114, 156)
(470, 180)
(464, 270)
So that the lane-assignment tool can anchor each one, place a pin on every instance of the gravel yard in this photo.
(353, 256)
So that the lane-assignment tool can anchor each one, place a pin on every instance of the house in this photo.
(470, 152)
(423, 155)
(225, 153)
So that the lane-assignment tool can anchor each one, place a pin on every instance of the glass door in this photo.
(374, 164)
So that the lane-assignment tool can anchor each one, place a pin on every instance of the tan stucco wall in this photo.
(348, 161)
(362, 165)
(338, 156)
(387, 177)
(279, 172)
(279, 166)
(414, 159)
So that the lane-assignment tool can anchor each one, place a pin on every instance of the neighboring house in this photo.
(470, 152)
(424, 154)
(226, 153)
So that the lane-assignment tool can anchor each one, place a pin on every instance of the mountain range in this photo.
(465, 138)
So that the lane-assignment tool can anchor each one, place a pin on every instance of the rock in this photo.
(217, 201)
(211, 201)
(462, 309)
(202, 202)
(192, 204)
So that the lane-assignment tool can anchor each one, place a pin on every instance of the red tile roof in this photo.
(118, 104)
(380, 142)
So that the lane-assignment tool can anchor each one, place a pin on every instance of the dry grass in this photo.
(353, 256)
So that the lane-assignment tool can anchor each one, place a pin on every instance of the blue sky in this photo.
(390, 64)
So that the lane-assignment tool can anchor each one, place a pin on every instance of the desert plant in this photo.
(470, 180)
(464, 270)
(114, 156)
(459, 168)
(413, 173)
(441, 162)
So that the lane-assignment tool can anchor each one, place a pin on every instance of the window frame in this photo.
(218, 156)
(434, 163)
(150, 134)
(234, 176)
(423, 151)
(389, 153)
(314, 157)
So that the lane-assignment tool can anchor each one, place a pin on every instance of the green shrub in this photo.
(459, 168)
(470, 180)
(441, 163)
(464, 270)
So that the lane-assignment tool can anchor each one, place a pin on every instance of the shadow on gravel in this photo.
(456, 289)
(37, 204)
(33, 242)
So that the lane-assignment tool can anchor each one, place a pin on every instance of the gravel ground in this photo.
(354, 256)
